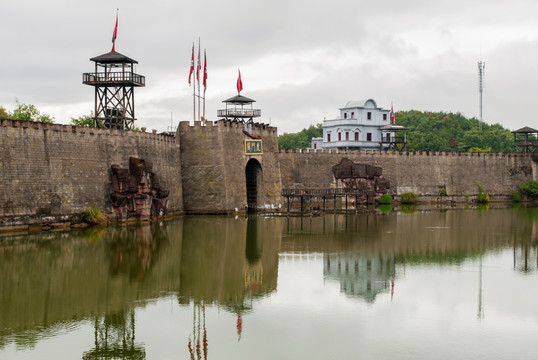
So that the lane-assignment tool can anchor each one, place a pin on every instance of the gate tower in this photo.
(114, 80)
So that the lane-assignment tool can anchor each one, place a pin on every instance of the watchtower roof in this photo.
(525, 129)
(239, 100)
(113, 57)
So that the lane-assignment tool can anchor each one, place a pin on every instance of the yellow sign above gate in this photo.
(253, 147)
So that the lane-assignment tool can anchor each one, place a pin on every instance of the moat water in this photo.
(436, 284)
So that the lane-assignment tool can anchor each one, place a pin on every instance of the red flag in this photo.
(198, 66)
(391, 114)
(192, 64)
(239, 83)
(115, 34)
(205, 71)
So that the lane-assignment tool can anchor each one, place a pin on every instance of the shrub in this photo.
(93, 216)
(530, 188)
(442, 191)
(385, 199)
(516, 197)
(482, 197)
(409, 198)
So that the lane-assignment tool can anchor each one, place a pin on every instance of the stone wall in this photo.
(424, 173)
(213, 166)
(51, 172)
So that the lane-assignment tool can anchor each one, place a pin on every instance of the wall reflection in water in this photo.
(53, 282)
(366, 254)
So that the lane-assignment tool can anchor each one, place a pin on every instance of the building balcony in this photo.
(239, 113)
(351, 144)
(113, 79)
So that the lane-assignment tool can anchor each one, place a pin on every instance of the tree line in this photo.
(429, 131)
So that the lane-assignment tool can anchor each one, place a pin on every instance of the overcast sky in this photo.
(300, 60)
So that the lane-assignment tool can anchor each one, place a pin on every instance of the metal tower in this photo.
(481, 67)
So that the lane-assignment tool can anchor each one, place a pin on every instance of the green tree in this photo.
(4, 114)
(300, 140)
(440, 131)
(28, 112)
(84, 120)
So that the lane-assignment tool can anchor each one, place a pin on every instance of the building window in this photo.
(356, 136)
(388, 137)
(347, 136)
(315, 146)
(385, 117)
(345, 115)
(339, 136)
(328, 137)
(368, 136)
(352, 114)
(369, 115)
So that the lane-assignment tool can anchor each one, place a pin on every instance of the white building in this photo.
(358, 127)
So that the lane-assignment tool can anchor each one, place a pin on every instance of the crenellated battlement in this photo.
(85, 131)
(404, 153)
(220, 125)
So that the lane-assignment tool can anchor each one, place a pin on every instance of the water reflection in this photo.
(115, 338)
(54, 283)
(525, 253)
(365, 254)
(361, 276)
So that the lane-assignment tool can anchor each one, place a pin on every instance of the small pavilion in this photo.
(393, 137)
(239, 108)
(525, 140)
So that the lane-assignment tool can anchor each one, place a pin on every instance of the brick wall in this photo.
(50, 172)
(421, 172)
(213, 166)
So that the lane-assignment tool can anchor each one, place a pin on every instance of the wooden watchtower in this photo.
(114, 80)
(239, 108)
(525, 140)
(393, 137)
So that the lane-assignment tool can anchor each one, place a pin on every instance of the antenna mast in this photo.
(481, 66)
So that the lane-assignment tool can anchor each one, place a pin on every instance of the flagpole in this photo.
(198, 78)
(194, 103)
(204, 81)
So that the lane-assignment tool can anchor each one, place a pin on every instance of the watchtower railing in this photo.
(247, 113)
(520, 142)
(393, 139)
(112, 78)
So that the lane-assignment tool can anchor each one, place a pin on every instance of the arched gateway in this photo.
(254, 181)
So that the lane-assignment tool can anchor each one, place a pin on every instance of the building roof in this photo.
(113, 57)
(525, 129)
(359, 104)
(238, 100)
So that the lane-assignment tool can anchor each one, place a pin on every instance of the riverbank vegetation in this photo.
(530, 189)
(429, 131)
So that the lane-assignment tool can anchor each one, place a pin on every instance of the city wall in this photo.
(424, 173)
(213, 165)
(52, 172)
